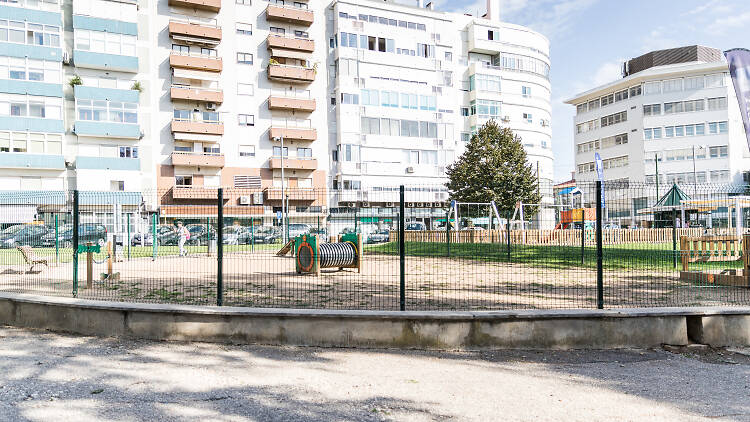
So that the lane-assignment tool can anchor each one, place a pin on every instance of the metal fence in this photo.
(403, 248)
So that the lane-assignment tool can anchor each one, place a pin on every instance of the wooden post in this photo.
(109, 259)
(89, 266)
(360, 252)
(684, 252)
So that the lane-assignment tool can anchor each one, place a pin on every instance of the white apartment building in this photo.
(181, 97)
(677, 106)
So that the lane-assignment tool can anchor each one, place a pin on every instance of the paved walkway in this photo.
(45, 376)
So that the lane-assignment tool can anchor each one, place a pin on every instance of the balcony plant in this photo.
(75, 80)
(137, 86)
(273, 61)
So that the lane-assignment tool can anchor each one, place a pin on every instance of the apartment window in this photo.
(210, 52)
(30, 69)
(277, 152)
(719, 175)
(304, 152)
(719, 103)
(614, 118)
(650, 88)
(593, 104)
(672, 85)
(277, 30)
(635, 91)
(301, 34)
(244, 2)
(247, 150)
(526, 91)
(104, 42)
(717, 127)
(128, 152)
(448, 56)
(333, 101)
(335, 155)
(410, 128)
(465, 111)
(481, 82)
(29, 33)
(182, 49)
(581, 108)
(245, 58)
(117, 185)
(718, 152)
(715, 81)
(693, 83)
(244, 89)
(621, 95)
(246, 119)
(370, 125)
(183, 180)
(465, 136)
(244, 28)
(350, 98)
(527, 117)
(652, 109)
(607, 99)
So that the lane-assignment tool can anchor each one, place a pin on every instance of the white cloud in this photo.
(722, 24)
(608, 72)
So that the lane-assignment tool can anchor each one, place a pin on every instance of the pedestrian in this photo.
(183, 235)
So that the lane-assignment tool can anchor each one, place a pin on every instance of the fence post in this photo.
(76, 224)
(674, 237)
(507, 227)
(220, 248)
(583, 234)
(401, 250)
(128, 240)
(154, 239)
(448, 231)
(599, 252)
(57, 241)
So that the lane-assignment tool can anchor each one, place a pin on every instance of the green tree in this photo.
(493, 168)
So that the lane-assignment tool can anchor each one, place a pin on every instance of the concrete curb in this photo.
(557, 329)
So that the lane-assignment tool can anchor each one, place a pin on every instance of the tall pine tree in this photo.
(493, 168)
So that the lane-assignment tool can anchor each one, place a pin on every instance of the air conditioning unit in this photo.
(258, 198)
(389, 204)
(420, 205)
(66, 58)
(351, 204)
(210, 106)
(410, 204)
(244, 200)
(410, 169)
(505, 119)
(366, 205)
(439, 116)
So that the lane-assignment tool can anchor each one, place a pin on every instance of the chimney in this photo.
(493, 10)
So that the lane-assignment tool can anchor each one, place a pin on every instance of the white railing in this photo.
(291, 66)
(197, 88)
(193, 54)
(195, 20)
(190, 120)
(290, 93)
(289, 36)
(291, 123)
(290, 6)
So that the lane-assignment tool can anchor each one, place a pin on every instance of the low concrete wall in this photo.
(430, 330)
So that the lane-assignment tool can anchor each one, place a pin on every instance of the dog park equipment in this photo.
(722, 248)
(311, 255)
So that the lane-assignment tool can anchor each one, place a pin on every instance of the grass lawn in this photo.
(658, 256)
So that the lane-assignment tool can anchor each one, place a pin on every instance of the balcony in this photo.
(288, 73)
(293, 163)
(210, 5)
(294, 194)
(198, 127)
(276, 102)
(204, 31)
(197, 159)
(193, 192)
(195, 62)
(290, 43)
(183, 92)
(287, 14)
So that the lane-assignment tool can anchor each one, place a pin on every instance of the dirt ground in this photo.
(261, 279)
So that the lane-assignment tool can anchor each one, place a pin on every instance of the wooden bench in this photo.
(31, 258)
(722, 248)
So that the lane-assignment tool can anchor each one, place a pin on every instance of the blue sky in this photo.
(591, 38)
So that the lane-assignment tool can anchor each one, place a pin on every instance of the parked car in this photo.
(379, 236)
(87, 232)
(475, 228)
(415, 227)
(298, 229)
(23, 235)
(199, 235)
(262, 234)
(162, 231)
(233, 234)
